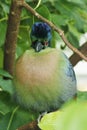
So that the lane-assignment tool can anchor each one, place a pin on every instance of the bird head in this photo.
(40, 36)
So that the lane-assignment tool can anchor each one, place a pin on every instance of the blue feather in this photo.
(41, 31)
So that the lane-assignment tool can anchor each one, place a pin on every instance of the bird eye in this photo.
(46, 43)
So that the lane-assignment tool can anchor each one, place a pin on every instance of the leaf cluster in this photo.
(73, 116)
(69, 15)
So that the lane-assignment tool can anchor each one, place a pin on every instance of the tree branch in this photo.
(75, 58)
(30, 126)
(61, 33)
(10, 47)
(11, 36)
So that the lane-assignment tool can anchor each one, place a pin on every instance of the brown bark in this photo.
(75, 58)
(11, 36)
(10, 47)
(30, 126)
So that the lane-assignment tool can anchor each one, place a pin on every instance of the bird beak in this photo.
(38, 46)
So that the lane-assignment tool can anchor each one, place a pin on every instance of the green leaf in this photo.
(5, 73)
(58, 20)
(24, 42)
(82, 96)
(72, 117)
(2, 32)
(73, 39)
(71, 12)
(76, 1)
(79, 23)
(6, 104)
(1, 58)
(43, 10)
(12, 116)
(6, 85)
(1, 114)
(21, 118)
(16, 118)
(4, 122)
(5, 7)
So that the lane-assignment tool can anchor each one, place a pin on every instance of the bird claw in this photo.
(41, 115)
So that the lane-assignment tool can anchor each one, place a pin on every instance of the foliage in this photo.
(11, 115)
(71, 117)
(69, 15)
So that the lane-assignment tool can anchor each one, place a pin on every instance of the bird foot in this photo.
(41, 115)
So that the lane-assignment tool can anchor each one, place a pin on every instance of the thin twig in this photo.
(61, 33)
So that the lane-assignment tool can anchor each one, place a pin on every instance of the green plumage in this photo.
(44, 81)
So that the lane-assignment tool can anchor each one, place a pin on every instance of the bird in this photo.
(44, 78)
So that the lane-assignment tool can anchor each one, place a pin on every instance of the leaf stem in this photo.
(38, 4)
(11, 118)
(3, 19)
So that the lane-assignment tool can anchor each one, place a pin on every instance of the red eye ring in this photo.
(46, 43)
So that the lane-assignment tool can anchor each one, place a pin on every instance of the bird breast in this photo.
(35, 68)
